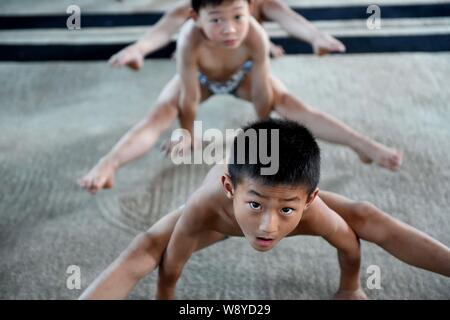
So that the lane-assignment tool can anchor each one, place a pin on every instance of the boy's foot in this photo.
(383, 156)
(100, 177)
(324, 44)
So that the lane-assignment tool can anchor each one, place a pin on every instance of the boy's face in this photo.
(226, 24)
(266, 214)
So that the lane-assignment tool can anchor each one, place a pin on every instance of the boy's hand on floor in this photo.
(130, 56)
(350, 295)
(324, 44)
(100, 177)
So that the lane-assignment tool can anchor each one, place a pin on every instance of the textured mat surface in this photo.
(57, 119)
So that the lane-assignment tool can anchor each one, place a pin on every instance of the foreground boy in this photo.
(237, 200)
(223, 49)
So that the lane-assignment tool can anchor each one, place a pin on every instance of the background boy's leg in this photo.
(330, 129)
(401, 240)
(138, 140)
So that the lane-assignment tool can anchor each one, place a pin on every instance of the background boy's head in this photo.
(224, 22)
(269, 207)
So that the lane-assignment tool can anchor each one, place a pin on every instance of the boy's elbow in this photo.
(351, 249)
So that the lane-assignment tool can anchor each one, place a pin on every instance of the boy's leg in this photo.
(330, 129)
(139, 139)
(324, 126)
(401, 240)
(141, 257)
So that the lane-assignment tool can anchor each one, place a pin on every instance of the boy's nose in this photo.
(269, 223)
(229, 28)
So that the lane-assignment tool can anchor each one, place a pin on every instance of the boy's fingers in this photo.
(113, 61)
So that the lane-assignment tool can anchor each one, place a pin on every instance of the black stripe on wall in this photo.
(92, 52)
(143, 19)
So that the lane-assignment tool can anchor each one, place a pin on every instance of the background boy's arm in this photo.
(155, 38)
(159, 35)
(190, 94)
(299, 27)
(262, 95)
(328, 224)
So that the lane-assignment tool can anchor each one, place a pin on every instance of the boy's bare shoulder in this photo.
(318, 220)
(190, 37)
(204, 205)
(257, 38)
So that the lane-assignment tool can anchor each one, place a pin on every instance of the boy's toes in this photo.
(83, 183)
(109, 184)
(396, 161)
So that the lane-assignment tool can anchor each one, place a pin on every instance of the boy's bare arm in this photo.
(262, 95)
(182, 244)
(190, 93)
(155, 38)
(161, 33)
(326, 223)
(298, 26)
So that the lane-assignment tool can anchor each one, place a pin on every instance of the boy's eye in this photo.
(287, 211)
(254, 205)
(215, 20)
(238, 17)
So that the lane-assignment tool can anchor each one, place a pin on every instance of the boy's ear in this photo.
(311, 198)
(193, 14)
(227, 185)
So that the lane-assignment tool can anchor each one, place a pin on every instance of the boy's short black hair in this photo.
(299, 155)
(198, 4)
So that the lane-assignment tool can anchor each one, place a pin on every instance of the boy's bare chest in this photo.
(220, 66)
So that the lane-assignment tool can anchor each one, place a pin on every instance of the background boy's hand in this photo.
(130, 56)
(276, 51)
(324, 43)
(350, 295)
(100, 177)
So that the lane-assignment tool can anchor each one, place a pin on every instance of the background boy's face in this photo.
(226, 24)
(266, 214)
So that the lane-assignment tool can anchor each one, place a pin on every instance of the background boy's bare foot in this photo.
(130, 56)
(100, 177)
(324, 44)
(383, 156)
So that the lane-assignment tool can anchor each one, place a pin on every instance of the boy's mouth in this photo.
(230, 43)
(264, 241)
